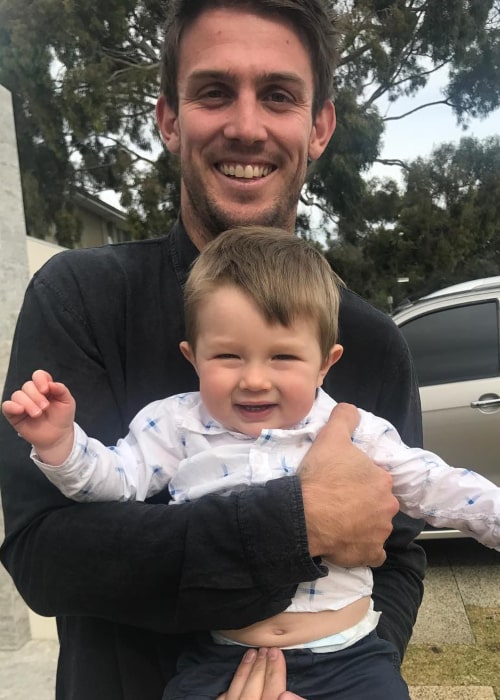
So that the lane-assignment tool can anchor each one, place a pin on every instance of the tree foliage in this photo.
(442, 228)
(84, 79)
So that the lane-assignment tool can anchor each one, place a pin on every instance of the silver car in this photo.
(454, 339)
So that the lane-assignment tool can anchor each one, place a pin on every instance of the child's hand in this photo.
(42, 412)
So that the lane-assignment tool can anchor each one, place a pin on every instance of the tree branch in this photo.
(132, 67)
(417, 109)
(393, 161)
(310, 202)
(136, 156)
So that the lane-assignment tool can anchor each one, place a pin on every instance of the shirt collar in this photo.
(198, 420)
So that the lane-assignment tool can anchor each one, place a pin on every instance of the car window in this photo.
(455, 344)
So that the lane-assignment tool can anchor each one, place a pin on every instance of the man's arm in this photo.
(198, 565)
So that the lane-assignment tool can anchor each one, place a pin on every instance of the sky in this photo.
(419, 133)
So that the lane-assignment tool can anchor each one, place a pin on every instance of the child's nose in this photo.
(254, 378)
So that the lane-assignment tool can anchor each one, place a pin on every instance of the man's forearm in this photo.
(196, 566)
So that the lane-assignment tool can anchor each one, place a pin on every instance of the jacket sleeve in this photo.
(202, 565)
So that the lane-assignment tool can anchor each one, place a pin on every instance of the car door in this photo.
(455, 346)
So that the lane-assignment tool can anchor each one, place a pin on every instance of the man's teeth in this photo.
(246, 171)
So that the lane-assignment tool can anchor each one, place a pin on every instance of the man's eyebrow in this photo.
(232, 77)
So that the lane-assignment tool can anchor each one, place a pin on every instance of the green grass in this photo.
(460, 664)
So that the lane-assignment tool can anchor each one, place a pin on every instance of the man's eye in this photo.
(212, 95)
(279, 96)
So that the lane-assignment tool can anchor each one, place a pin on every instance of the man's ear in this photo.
(188, 352)
(322, 131)
(333, 356)
(168, 125)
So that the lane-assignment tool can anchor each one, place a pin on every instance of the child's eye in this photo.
(285, 357)
(226, 356)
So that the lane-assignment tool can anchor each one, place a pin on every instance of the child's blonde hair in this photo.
(282, 274)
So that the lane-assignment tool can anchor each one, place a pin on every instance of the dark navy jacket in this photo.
(128, 580)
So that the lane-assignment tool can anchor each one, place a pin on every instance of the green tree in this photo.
(443, 226)
(389, 49)
(84, 78)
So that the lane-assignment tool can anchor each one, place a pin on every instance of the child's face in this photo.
(254, 375)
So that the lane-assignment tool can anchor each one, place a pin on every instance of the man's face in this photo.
(244, 127)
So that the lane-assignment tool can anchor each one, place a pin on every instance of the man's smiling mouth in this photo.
(245, 172)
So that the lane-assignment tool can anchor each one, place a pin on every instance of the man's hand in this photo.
(348, 501)
(261, 675)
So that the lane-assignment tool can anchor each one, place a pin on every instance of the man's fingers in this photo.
(240, 677)
(346, 416)
(261, 675)
(254, 684)
(275, 682)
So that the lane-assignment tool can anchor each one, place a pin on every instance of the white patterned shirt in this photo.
(175, 442)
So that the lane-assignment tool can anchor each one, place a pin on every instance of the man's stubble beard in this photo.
(213, 219)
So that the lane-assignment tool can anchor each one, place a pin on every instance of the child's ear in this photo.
(333, 356)
(188, 352)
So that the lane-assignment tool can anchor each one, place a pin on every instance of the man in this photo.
(244, 104)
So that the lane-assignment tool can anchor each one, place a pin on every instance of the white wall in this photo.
(39, 252)
(14, 624)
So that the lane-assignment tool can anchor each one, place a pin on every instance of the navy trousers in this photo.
(368, 670)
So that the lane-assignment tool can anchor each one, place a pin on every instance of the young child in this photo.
(261, 310)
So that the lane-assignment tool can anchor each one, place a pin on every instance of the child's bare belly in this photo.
(289, 628)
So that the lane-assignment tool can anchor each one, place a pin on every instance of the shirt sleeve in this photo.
(428, 488)
(138, 466)
(203, 565)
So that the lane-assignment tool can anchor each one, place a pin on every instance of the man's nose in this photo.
(254, 378)
(246, 120)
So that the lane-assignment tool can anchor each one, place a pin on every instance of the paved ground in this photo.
(460, 573)
(28, 673)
